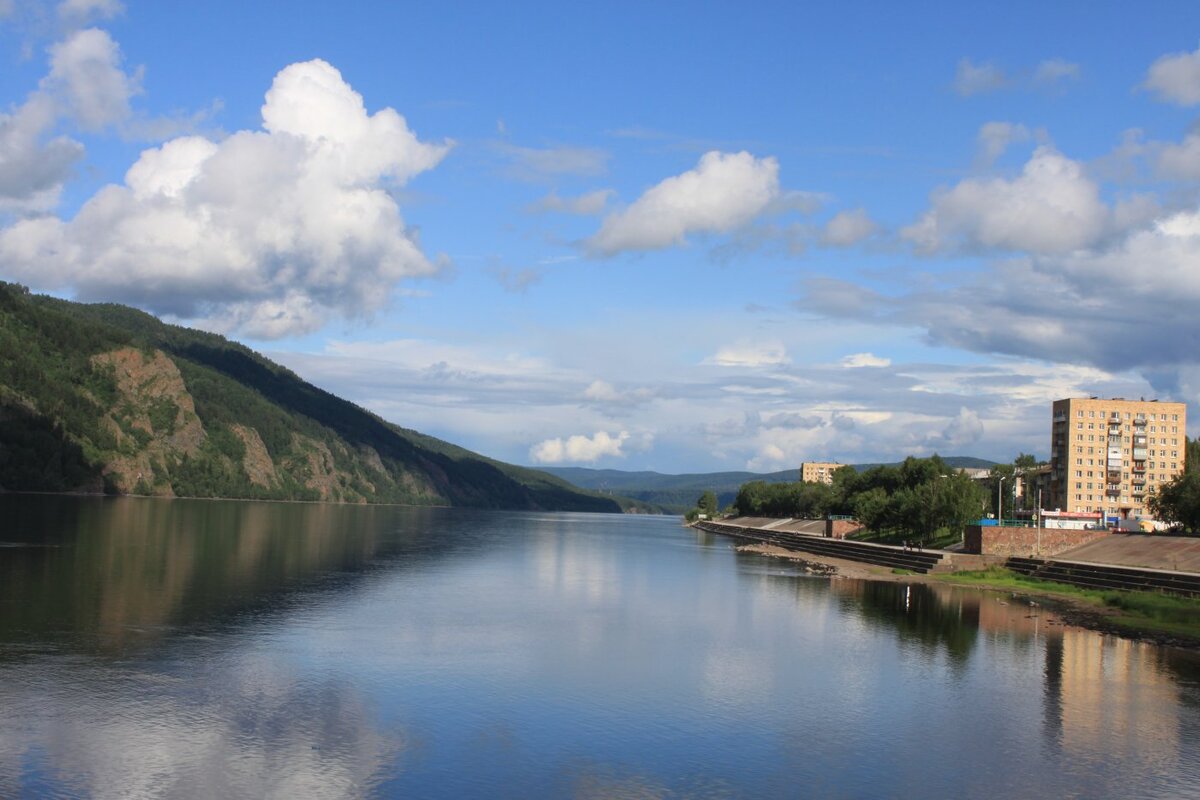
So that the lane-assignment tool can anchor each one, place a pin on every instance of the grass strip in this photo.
(1140, 611)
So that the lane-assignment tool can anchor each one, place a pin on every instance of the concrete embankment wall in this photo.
(817, 544)
(996, 540)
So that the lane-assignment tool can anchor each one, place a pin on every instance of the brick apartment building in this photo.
(819, 471)
(1109, 455)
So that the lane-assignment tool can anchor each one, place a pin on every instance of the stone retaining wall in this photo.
(841, 528)
(992, 540)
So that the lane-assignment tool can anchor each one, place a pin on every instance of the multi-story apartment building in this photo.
(1109, 455)
(819, 471)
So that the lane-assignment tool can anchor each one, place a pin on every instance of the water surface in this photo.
(182, 649)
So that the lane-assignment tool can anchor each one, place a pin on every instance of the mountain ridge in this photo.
(107, 398)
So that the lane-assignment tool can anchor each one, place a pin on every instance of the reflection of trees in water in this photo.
(103, 572)
(916, 612)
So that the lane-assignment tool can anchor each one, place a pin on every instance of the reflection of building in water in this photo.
(1115, 690)
(1099, 693)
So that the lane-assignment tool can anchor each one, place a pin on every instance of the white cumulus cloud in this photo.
(85, 71)
(269, 232)
(1175, 78)
(33, 169)
(1055, 70)
(1051, 207)
(857, 360)
(724, 192)
(1180, 161)
(579, 448)
(749, 354)
(80, 11)
(85, 86)
(971, 78)
(994, 138)
(848, 228)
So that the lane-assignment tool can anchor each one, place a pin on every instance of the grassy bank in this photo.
(1143, 612)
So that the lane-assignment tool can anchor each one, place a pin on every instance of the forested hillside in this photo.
(105, 398)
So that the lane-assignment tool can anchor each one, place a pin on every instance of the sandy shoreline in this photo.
(827, 565)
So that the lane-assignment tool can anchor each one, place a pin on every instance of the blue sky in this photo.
(681, 237)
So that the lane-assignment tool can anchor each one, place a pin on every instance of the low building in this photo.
(819, 471)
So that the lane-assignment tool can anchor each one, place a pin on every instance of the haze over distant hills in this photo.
(106, 398)
(678, 493)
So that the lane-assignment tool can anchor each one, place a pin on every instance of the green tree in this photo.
(1178, 501)
(1025, 461)
(708, 503)
(750, 496)
(871, 508)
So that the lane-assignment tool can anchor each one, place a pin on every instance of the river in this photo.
(195, 649)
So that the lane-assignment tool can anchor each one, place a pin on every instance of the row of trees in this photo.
(915, 499)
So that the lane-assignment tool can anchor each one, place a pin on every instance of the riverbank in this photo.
(1144, 616)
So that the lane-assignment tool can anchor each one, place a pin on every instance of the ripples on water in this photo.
(210, 649)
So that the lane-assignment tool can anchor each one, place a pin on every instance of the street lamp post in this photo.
(1000, 500)
(1039, 524)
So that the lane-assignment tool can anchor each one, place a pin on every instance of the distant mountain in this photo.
(678, 493)
(106, 398)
